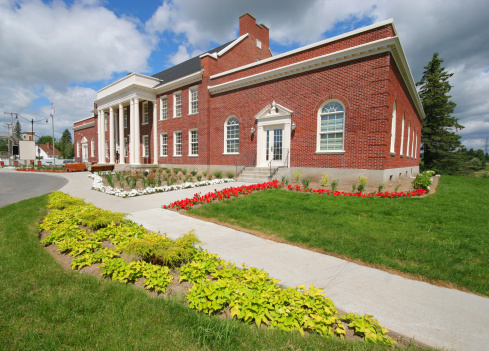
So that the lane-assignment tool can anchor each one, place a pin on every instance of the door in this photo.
(85, 153)
(274, 151)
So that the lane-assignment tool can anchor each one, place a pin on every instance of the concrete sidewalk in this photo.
(436, 316)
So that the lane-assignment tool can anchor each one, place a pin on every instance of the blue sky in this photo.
(64, 51)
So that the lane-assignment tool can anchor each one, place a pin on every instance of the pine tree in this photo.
(440, 143)
(66, 145)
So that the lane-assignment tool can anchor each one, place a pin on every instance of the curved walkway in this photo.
(439, 317)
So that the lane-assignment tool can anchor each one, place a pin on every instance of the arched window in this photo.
(331, 127)
(408, 139)
(401, 151)
(393, 128)
(231, 135)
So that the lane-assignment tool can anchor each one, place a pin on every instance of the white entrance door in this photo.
(274, 142)
(84, 152)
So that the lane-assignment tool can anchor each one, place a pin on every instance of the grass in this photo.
(441, 237)
(44, 307)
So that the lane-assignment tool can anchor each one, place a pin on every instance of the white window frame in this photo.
(106, 149)
(145, 119)
(408, 139)
(191, 142)
(319, 133)
(125, 118)
(92, 148)
(164, 144)
(106, 122)
(415, 145)
(393, 129)
(175, 144)
(77, 149)
(193, 101)
(164, 108)
(145, 145)
(401, 151)
(258, 43)
(226, 150)
(126, 148)
(177, 108)
(412, 145)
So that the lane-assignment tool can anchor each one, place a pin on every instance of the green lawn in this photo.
(43, 307)
(442, 237)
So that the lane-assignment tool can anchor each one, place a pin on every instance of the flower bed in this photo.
(40, 170)
(98, 185)
(227, 193)
(222, 195)
(385, 194)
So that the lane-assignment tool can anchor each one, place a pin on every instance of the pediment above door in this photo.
(273, 111)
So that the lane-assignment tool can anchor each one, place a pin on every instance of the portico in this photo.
(118, 107)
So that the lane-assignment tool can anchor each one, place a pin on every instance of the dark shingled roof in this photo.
(185, 68)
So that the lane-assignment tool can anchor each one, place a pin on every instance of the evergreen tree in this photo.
(440, 143)
(45, 139)
(66, 145)
(18, 130)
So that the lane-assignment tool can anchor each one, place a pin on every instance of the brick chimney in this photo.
(247, 24)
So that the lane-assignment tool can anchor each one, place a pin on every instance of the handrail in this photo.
(285, 165)
(236, 164)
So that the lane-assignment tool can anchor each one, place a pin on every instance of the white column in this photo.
(102, 139)
(155, 135)
(131, 131)
(99, 135)
(111, 136)
(137, 138)
(122, 146)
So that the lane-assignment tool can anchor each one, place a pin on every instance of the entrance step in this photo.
(122, 167)
(254, 175)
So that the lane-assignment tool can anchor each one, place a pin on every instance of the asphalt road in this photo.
(18, 186)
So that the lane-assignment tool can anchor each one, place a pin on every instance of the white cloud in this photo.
(180, 56)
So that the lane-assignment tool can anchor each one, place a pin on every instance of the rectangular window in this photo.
(193, 100)
(106, 149)
(330, 139)
(177, 144)
(145, 145)
(145, 112)
(106, 123)
(164, 144)
(77, 149)
(92, 151)
(163, 108)
(126, 149)
(125, 118)
(177, 104)
(193, 136)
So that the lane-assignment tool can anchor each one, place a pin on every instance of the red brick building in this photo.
(346, 105)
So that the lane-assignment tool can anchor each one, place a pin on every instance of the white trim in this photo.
(190, 154)
(226, 152)
(129, 77)
(146, 154)
(177, 93)
(145, 105)
(391, 44)
(163, 98)
(190, 90)
(318, 130)
(84, 126)
(393, 129)
(226, 49)
(161, 144)
(310, 46)
(174, 84)
(84, 119)
(402, 136)
(175, 144)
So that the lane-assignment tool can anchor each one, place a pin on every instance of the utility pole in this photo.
(12, 124)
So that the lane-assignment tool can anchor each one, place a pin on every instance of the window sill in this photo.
(177, 155)
(230, 153)
(332, 152)
(176, 117)
(393, 154)
(163, 119)
(193, 114)
(193, 155)
(143, 124)
(401, 156)
(163, 155)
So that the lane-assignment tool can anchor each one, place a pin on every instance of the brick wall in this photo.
(89, 134)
